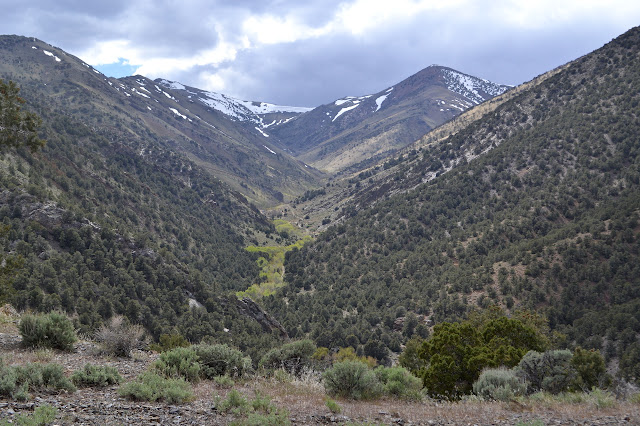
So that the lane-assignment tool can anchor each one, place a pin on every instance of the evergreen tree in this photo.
(17, 127)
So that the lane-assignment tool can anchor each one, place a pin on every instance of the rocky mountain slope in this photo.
(110, 218)
(535, 205)
(353, 130)
(222, 135)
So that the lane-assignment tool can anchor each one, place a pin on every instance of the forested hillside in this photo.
(98, 224)
(535, 206)
(157, 113)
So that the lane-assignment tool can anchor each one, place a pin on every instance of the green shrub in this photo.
(53, 330)
(602, 399)
(399, 382)
(499, 384)
(221, 360)
(333, 406)
(17, 381)
(550, 371)
(179, 362)
(351, 379)
(261, 403)
(170, 341)
(96, 376)
(224, 381)
(150, 386)
(119, 338)
(235, 403)
(292, 357)
(590, 368)
(42, 415)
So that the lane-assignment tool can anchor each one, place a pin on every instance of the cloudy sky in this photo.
(311, 52)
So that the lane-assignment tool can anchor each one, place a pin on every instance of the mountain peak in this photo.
(236, 109)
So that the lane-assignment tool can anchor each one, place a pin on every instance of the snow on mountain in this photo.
(46, 52)
(236, 109)
(476, 89)
(343, 110)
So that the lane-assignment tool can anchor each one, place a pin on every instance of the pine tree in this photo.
(17, 127)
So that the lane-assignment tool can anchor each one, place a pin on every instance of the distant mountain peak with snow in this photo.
(477, 90)
(236, 109)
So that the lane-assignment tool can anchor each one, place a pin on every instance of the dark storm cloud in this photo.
(314, 52)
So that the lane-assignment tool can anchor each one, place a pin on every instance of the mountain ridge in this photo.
(349, 130)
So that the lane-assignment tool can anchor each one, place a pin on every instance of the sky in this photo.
(312, 52)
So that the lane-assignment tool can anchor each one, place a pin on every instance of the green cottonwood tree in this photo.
(17, 127)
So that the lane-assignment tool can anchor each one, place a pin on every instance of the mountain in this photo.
(352, 130)
(535, 206)
(108, 219)
(222, 135)
(262, 114)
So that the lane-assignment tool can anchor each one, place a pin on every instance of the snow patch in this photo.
(343, 110)
(176, 112)
(46, 52)
(172, 85)
(263, 133)
(380, 100)
(269, 149)
(140, 93)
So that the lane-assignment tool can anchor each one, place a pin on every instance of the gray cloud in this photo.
(494, 42)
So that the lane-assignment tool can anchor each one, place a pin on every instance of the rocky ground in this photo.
(303, 398)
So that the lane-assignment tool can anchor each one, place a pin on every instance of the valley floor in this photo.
(304, 399)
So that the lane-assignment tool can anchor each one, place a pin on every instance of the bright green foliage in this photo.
(550, 371)
(53, 330)
(272, 263)
(456, 353)
(17, 381)
(17, 127)
(179, 362)
(499, 384)
(170, 341)
(96, 376)
(397, 382)
(292, 357)
(150, 386)
(333, 406)
(590, 368)
(351, 379)
(348, 354)
(220, 360)
(42, 415)
(320, 354)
